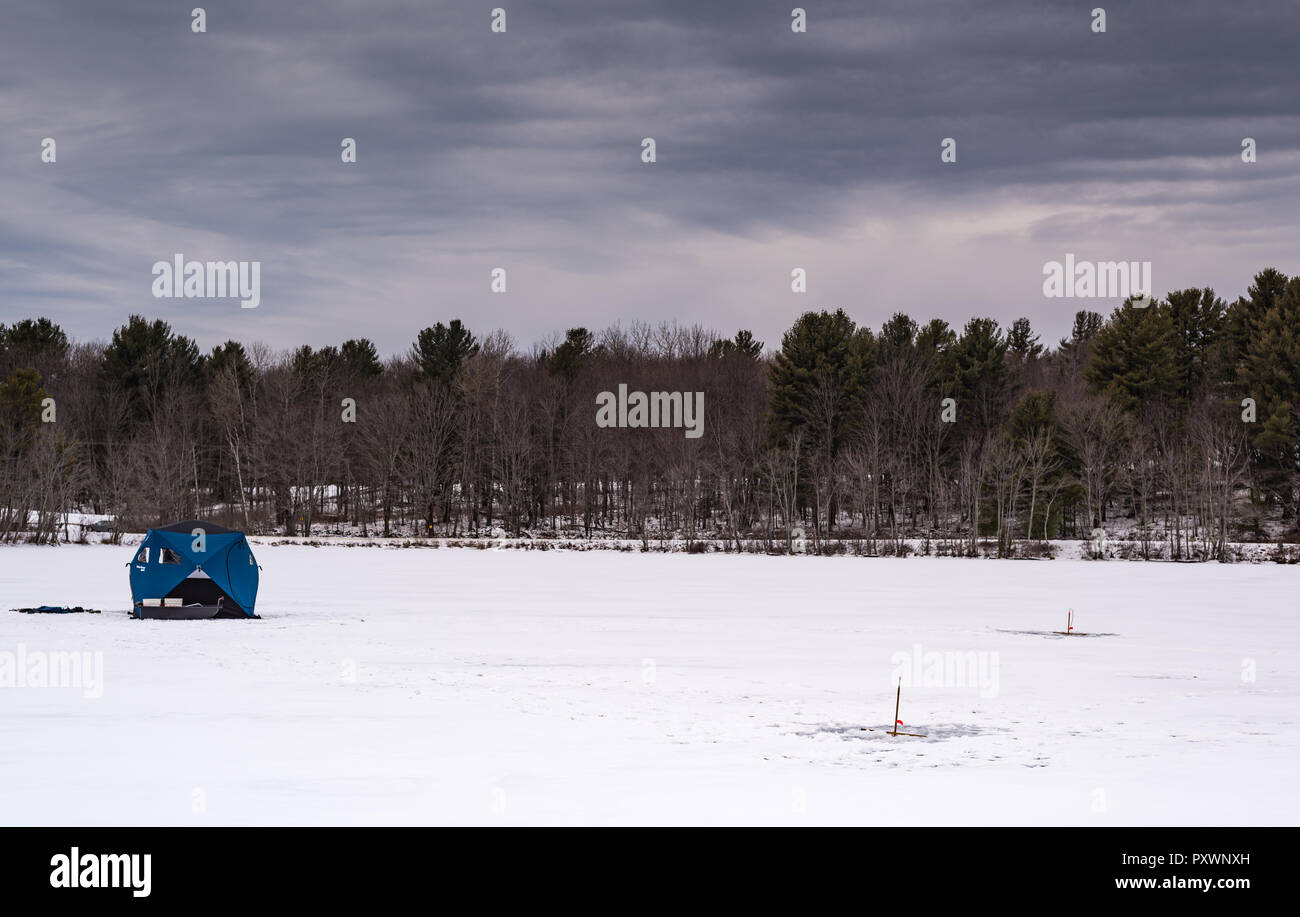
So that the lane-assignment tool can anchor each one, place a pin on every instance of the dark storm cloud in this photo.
(522, 150)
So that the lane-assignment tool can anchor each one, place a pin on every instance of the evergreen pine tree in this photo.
(1134, 356)
(1270, 374)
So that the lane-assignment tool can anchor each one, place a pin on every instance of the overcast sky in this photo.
(522, 150)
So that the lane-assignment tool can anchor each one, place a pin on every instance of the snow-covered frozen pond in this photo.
(456, 686)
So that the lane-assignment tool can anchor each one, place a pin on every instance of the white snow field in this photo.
(457, 686)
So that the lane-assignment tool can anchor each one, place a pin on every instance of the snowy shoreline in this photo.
(1121, 549)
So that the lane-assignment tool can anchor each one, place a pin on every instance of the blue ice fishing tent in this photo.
(193, 570)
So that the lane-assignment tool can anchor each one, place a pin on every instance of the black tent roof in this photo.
(190, 525)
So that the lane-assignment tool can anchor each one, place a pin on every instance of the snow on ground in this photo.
(459, 686)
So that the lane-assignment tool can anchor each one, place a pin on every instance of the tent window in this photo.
(143, 556)
(168, 556)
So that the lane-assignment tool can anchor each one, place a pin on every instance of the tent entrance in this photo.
(199, 589)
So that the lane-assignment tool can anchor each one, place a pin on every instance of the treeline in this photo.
(1181, 418)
